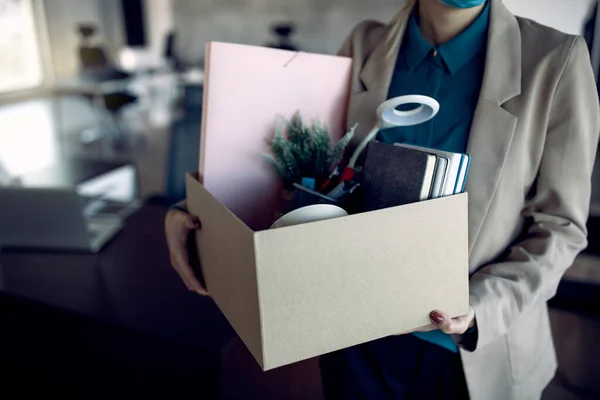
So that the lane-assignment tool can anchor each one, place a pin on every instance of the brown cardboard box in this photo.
(298, 292)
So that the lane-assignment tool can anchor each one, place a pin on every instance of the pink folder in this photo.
(246, 89)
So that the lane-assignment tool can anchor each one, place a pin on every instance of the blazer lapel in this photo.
(376, 75)
(493, 127)
(379, 67)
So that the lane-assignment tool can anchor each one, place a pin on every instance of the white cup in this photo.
(316, 212)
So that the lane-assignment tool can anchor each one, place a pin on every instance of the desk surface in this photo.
(129, 283)
(79, 84)
(68, 173)
(143, 333)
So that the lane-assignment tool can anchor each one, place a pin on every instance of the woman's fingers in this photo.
(190, 280)
(179, 261)
(178, 226)
(445, 323)
(458, 325)
(192, 223)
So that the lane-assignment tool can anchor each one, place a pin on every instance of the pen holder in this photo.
(303, 196)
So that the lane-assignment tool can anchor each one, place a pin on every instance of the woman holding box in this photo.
(520, 98)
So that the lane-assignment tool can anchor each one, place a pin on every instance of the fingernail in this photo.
(436, 317)
(201, 290)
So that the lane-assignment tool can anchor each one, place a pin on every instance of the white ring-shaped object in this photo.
(390, 116)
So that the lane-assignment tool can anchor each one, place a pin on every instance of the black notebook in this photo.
(393, 176)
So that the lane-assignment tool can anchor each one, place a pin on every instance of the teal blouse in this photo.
(452, 74)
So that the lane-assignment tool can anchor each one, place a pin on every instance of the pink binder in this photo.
(246, 89)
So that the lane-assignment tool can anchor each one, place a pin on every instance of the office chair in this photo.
(169, 52)
(112, 95)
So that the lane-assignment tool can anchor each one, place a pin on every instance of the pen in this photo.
(334, 173)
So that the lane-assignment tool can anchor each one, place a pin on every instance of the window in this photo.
(20, 61)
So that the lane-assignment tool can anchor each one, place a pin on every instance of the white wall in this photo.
(112, 27)
(159, 21)
(565, 15)
(323, 24)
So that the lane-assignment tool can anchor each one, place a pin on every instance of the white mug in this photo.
(313, 213)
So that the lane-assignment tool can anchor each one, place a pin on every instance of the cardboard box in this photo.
(302, 291)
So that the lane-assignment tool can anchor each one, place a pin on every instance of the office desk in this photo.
(87, 325)
(121, 323)
(106, 97)
(68, 172)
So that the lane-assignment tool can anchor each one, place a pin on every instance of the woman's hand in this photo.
(443, 322)
(178, 226)
(458, 325)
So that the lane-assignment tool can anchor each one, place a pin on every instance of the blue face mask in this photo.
(463, 3)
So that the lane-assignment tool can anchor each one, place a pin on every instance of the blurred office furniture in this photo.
(112, 180)
(119, 321)
(104, 104)
(591, 33)
(170, 51)
(94, 62)
(283, 32)
(110, 102)
(55, 219)
(184, 143)
(153, 82)
(103, 85)
(5, 177)
(576, 333)
(72, 205)
(159, 78)
(575, 318)
(108, 188)
(111, 95)
(140, 60)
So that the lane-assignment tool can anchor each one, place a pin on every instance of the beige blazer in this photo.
(533, 142)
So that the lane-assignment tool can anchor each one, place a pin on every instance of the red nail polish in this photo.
(436, 317)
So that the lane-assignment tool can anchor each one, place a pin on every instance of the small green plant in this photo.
(301, 151)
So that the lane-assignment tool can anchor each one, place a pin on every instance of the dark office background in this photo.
(120, 322)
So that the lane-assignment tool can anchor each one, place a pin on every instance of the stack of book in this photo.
(400, 174)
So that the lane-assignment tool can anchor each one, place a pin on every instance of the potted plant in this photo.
(304, 154)
(302, 151)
